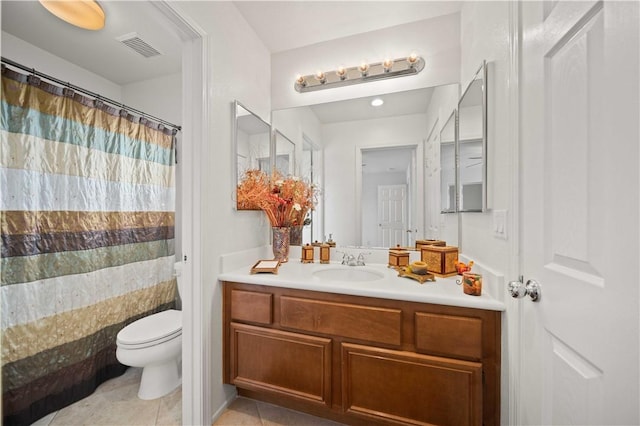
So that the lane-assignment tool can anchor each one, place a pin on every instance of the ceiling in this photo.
(99, 51)
(285, 25)
(282, 25)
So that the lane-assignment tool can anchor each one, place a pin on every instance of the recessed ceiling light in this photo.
(377, 102)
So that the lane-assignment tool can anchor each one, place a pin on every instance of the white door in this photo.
(392, 215)
(579, 212)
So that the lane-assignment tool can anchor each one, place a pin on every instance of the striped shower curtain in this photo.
(87, 221)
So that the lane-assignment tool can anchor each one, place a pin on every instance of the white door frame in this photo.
(513, 320)
(196, 383)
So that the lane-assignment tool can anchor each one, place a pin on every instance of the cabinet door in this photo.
(414, 389)
(280, 362)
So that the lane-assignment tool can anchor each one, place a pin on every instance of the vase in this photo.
(295, 236)
(280, 243)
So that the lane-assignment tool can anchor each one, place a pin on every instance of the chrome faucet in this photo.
(349, 259)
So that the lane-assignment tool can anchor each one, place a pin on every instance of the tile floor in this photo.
(247, 412)
(116, 403)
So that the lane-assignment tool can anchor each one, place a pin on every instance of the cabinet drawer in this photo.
(367, 323)
(414, 389)
(251, 306)
(449, 335)
(280, 362)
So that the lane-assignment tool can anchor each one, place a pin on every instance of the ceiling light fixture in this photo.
(85, 14)
(389, 68)
(377, 102)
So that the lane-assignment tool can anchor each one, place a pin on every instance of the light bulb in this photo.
(412, 59)
(387, 64)
(364, 69)
(300, 80)
(377, 102)
(341, 72)
(320, 77)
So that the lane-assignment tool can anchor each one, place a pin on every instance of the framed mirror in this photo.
(448, 175)
(472, 144)
(251, 140)
(285, 154)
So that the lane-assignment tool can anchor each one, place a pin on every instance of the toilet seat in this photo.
(151, 330)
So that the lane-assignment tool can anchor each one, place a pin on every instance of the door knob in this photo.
(519, 289)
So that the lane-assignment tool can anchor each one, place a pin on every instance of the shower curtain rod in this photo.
(87, 92)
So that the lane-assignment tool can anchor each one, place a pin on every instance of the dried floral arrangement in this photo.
(285, 200)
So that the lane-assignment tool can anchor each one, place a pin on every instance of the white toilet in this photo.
(155, 344)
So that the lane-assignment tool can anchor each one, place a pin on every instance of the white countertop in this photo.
(294, 274)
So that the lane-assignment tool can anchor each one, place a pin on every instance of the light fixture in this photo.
(388, 68)
(377, 102)
(85, 14)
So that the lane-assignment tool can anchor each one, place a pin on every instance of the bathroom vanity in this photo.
(384, 350)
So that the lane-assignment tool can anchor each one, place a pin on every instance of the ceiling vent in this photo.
(139, 45)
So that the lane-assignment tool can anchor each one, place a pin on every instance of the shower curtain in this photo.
(87, 221)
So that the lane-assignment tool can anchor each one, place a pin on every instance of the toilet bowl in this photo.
(155, 344)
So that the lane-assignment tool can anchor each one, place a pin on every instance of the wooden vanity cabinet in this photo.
(361, 360)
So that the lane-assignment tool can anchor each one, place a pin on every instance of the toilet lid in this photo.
(151, 328)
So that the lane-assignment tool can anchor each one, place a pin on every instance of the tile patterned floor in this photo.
(116, 403)
(247, 412)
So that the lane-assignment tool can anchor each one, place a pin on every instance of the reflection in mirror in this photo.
(311, 171)
(252, 145)
(343, 129)
(285, 157)
(472, 145)
(448, 165)
(388, 182)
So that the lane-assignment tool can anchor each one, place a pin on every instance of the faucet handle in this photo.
(361, 258)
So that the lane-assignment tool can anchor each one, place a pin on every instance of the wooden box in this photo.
(423, 243)
(440, 261)
(398, 257)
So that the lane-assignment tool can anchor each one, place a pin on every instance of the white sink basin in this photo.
(348, 273)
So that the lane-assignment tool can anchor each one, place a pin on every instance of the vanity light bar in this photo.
(360, 74)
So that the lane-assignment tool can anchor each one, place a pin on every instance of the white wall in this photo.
(437, 40)
(239, 69)
(160, 97)
(31, 56)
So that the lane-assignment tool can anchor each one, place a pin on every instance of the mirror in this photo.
(285, 154)
(311, 171)
(251, 139)
(348, 131)
(448, 186)
(472, 145)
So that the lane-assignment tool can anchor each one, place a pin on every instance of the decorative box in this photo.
(325, 253)
(307, 254)
(422, 243)
(398, 257)
(440, 261)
